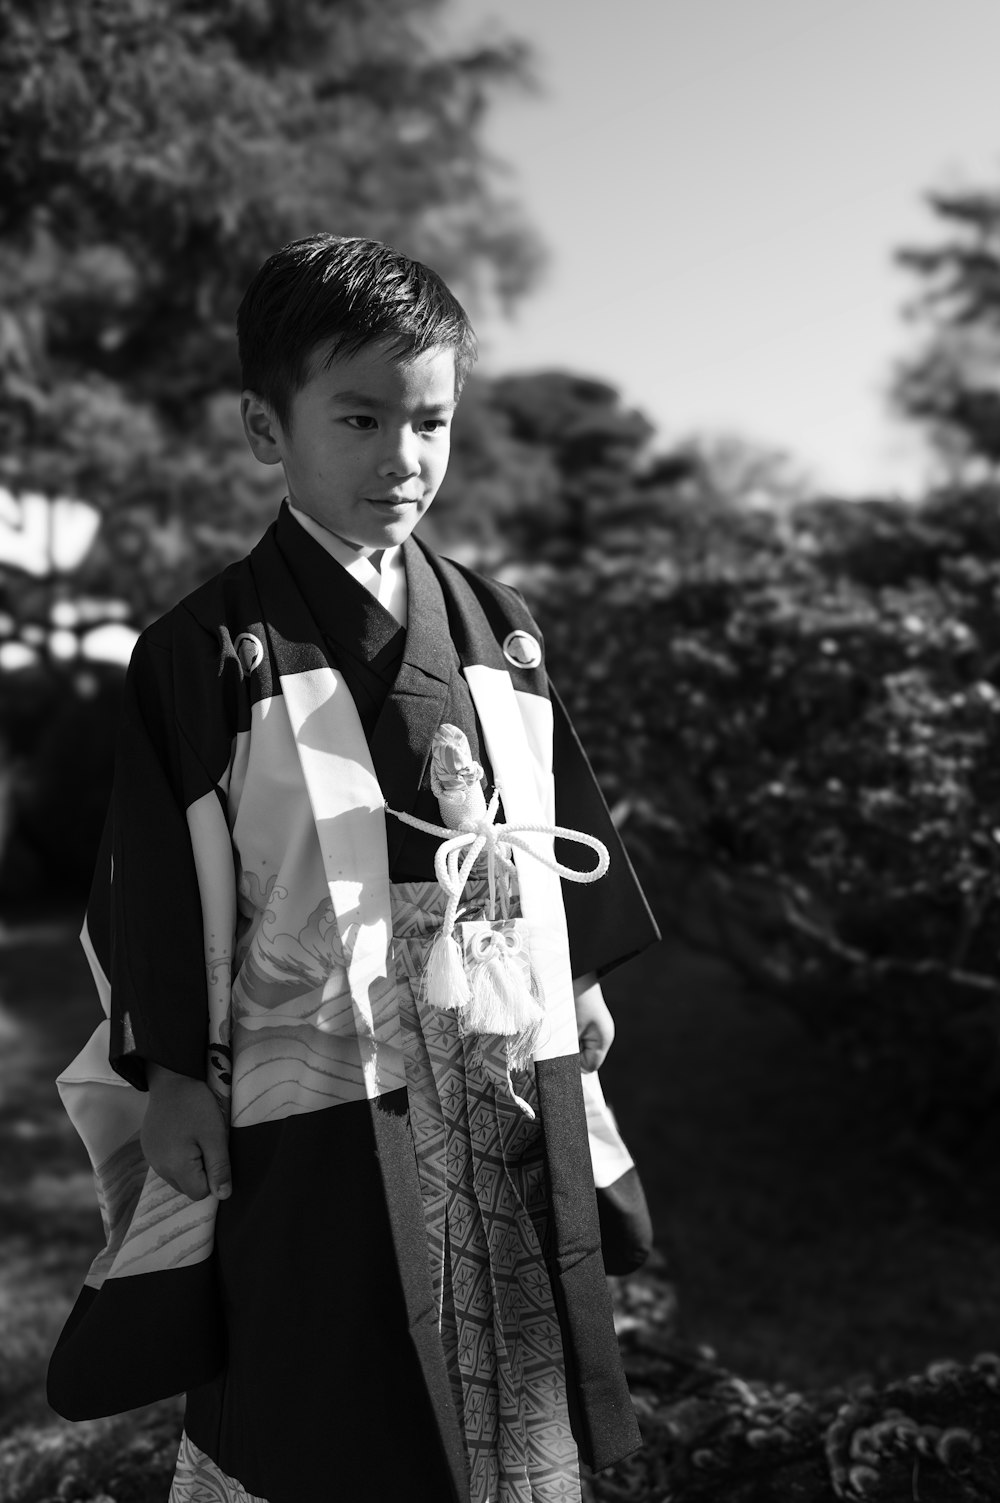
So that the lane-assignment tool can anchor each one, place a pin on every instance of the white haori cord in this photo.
(503, 1000)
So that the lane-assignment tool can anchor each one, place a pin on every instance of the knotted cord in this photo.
(475, 835)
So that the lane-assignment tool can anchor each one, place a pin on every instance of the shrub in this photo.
(819, 734)
(128, 1459)
(710, 1435)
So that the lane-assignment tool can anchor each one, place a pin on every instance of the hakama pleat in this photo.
(482, 1178)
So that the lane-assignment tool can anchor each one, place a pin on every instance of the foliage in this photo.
(711, 1435)
(730, 471)
(128, 1459)
(950, 382)
(811, 708)
(554, 465)
(151, 155)
(707, 1434)
(60, 727)
(545, 464)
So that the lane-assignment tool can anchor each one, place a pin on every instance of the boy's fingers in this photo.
(197, 1181)
(594, 1022)
(591, 1052)
(189, 1180)
(185, 1141)
(215, 1155)
(219, 1182)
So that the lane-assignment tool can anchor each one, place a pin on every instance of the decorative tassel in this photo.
(504, 996)
(445, 982)
(521, 1050)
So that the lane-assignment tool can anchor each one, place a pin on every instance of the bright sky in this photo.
(721, 185)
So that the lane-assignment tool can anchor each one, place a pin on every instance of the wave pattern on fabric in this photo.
(480, 1159)
(118, 1181)
(197, 1479)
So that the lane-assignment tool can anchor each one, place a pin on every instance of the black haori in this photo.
(247, 933)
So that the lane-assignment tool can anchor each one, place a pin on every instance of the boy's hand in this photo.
(184, 1137)
(595, 1025)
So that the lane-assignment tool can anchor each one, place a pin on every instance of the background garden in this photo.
(792, 701)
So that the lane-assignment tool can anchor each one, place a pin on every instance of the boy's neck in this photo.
(343, 550)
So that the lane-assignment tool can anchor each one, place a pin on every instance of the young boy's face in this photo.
(367, 441)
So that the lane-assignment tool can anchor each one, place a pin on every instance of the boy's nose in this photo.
(402, 455)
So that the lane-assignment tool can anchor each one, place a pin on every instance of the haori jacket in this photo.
(242, 896)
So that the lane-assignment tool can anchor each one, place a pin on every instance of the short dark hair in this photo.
(346, 292)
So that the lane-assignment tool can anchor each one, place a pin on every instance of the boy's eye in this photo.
(364, 423)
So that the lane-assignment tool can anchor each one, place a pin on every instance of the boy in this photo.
(357, 1229)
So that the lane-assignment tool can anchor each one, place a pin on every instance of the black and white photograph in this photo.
(499, 751)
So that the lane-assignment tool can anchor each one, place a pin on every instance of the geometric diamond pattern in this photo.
(480, 1160)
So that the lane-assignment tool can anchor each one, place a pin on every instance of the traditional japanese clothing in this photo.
(405, 1295)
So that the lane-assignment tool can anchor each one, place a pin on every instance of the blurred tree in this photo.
(595, 445)
(152, 153)
(553, 465)
(730, 471)
(494, 482)
(556, 467)
(952, 382)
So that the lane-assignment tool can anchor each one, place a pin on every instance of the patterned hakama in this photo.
(483, 1187)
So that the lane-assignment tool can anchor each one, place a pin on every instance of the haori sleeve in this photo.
(608, 921)
(152, 904)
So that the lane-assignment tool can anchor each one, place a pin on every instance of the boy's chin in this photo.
(391, 532)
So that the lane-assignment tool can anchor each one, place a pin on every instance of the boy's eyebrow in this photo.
(362, 399)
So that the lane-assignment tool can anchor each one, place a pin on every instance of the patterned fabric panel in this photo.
(197, 1479)
(480, 1159)
(119, 1181)
(296, 1041)
(293, 971)
(166, 1231)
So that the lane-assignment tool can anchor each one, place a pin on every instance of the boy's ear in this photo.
(261, 428)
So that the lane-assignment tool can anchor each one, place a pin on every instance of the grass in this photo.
(807, 1248)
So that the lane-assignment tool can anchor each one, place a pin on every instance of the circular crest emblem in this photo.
(522, 649)
(250, 650)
